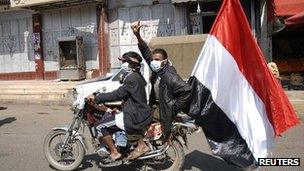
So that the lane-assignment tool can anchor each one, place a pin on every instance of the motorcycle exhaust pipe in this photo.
(154, 153)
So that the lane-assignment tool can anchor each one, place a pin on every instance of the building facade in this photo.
(29, 47)
(30, 30)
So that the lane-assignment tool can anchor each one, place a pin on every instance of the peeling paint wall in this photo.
(132, 3)
(16, 50)
(159, 20)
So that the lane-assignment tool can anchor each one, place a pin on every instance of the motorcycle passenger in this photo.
(136, 113)
(174, 93)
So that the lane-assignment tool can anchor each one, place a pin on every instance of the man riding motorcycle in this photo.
(174, 93)
(136, 113)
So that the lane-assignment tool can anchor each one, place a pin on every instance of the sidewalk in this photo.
(60, 92)
(295, 96)
(37, 92)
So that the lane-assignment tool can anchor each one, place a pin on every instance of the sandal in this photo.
(137, 152)
(110, 159)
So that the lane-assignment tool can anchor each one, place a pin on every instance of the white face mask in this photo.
(156, 65)
(125, 65)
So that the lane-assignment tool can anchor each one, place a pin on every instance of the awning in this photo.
(295, 21)
(49, 4)
(25, 3)
(287, 7)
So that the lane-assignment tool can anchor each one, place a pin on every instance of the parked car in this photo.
(107, 84)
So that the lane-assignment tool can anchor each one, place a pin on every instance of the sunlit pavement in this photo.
(23, 128)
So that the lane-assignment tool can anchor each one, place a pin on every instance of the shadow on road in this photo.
(7, 120)
(196, 159)
(88, 161)
(3, 108)
(94, 158)
(203, 161)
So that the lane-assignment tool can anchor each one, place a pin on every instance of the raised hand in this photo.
(136, 28)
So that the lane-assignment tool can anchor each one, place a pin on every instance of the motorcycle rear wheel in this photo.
(60, 160)
(175, 149)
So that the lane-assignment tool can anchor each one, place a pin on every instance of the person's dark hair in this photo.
(133, 58)
(161, 51)
(132, 54)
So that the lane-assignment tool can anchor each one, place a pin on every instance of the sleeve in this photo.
(145, 51)
(182, 92)
(119, 94)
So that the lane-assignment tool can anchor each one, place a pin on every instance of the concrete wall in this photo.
(16, 51)
(74, 21)
(182, 51)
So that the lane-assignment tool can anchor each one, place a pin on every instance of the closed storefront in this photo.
(69, 22)
(16, 50)
(288, 40)
(30, 32)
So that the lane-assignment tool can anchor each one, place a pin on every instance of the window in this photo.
(68, 54)
(202, 15)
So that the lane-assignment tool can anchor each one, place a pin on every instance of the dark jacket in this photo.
(174, 93)
(137, 114)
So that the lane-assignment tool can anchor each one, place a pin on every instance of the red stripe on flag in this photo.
(232, 30)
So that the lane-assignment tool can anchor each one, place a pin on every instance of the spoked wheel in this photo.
(60, 157)
(172, 160)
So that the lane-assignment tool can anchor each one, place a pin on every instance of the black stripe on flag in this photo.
(222, 135)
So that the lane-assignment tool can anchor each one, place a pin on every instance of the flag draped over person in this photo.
(241, 104)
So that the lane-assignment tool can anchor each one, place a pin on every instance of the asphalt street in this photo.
(23, 128)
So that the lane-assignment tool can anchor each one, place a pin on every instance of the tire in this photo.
(52, 161)
(178, 161)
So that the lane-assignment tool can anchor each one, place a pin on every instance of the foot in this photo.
(197, 129)
(115, 156)
(138, 151)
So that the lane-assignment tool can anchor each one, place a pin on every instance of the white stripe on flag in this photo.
(217, 70)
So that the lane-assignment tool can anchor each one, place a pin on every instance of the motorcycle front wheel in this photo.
(61, 157)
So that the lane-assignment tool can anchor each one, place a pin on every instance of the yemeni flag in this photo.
(241, 104)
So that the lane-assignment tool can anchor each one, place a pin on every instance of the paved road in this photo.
(23, 128)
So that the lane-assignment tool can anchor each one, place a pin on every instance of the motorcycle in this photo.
(65, 147)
